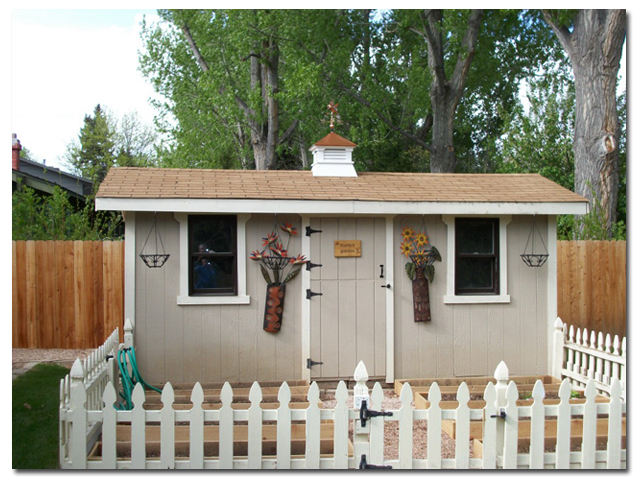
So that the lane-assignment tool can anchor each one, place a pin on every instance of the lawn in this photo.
(35, 403)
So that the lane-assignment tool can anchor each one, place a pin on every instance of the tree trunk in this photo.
(595, 48)
(443, 155)
(446, 92)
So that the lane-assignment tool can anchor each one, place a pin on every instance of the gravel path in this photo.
(22, 357)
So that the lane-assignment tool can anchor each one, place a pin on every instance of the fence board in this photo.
(66, 294)
(592, 285)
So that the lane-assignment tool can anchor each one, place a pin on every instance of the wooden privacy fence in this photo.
(66, 294)
(592, 285)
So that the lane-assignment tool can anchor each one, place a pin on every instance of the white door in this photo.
(348, 319)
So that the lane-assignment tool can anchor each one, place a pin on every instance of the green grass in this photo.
(36, 398)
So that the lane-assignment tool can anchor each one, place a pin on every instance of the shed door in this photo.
(348, 319)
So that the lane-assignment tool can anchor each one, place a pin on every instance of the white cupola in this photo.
(332, 157)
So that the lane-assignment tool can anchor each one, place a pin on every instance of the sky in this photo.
(64, 63)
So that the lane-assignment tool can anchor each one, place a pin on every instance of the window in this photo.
(212, 253)
(213, 259)
(476, 259)
(477, 256)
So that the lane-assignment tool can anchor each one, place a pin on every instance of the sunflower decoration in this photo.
(274, 256)
(416, 246)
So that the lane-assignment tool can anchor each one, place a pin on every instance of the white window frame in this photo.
(451, 297)
(241, 298)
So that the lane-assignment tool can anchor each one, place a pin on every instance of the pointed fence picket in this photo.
(89, 414)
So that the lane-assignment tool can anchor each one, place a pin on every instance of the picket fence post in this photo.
(78, 434)
(501, 375)
(128, 333)
(360, 394)
(558, 349)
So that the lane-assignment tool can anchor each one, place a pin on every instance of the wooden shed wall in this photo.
(470, 340)
(192, 343)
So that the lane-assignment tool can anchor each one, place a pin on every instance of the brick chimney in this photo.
(15, 152)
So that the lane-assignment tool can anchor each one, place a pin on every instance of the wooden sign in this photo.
(347, 248)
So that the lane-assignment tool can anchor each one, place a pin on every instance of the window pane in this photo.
(212, 250)
(475, 273)
(212, 234)
(475, 237)
(213, 272)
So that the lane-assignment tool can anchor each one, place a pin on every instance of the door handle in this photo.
(381, 271)
(386, 286)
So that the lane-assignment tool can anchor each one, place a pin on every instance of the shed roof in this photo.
(167, 183)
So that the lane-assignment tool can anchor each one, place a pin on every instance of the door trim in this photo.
(306, 305)
(390, 314)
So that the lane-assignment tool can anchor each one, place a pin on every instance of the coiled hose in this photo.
(130, 376)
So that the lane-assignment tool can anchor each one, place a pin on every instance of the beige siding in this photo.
(185, 344)
(469, 340)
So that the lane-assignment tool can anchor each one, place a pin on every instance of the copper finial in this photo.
(333, 111)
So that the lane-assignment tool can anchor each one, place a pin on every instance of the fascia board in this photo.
(337, 207)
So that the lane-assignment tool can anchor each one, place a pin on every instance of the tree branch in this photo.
(194, 48)
(382, 117)
(285, 136)
(563, 33)
(464, 60)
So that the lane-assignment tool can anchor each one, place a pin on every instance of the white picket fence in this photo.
(582, 356)
(87, 415)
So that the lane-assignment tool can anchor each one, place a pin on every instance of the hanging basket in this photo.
(531, 258)
(534, 259)
(155, 259)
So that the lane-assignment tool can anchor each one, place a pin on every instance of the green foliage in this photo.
(94, 153)
(53, 217)
(592, 226)
(35, 402)
(105, 141)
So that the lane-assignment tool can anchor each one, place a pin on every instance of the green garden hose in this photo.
(129, 379)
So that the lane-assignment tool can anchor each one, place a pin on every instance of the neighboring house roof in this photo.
(43, 178)
(124, 185)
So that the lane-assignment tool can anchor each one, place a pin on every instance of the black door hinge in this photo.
(310, 231)
(366, 414)
(364, 465)
(312, 294)
(311, 363)
(313, 265)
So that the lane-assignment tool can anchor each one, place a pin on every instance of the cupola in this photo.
(332, 157)
(332, 154)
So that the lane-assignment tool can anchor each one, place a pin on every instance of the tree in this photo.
(593, 41)
(238, 80)
(105, 141)
(447, 75)
(94, 153)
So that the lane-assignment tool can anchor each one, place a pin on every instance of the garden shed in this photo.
(352, 246)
